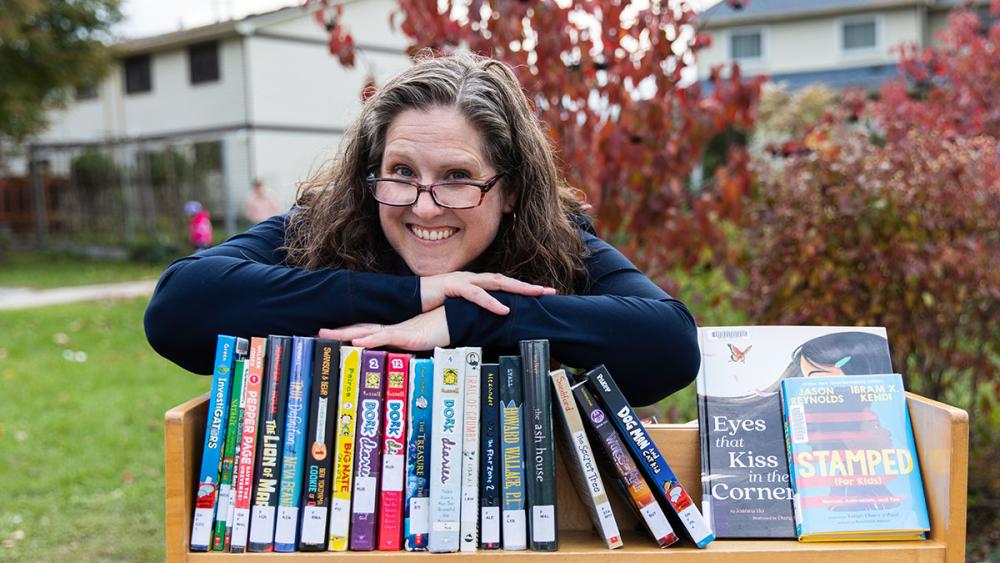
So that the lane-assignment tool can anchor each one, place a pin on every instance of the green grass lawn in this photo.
(82, 441)
(46, 270)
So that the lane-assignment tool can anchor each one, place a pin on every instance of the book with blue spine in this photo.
(397, 380)
(446, 450)
(320, 445)
(215, 435)
(293, 457)
(368, 456)
(416, 520)
(515, 525)
(853, 459)
(666, 487)
(490, 455)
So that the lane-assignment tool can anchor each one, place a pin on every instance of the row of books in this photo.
(312, 446)
(805, 434)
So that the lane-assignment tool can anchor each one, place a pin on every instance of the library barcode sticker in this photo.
(419, 515)
(314, 525)
(728, 334)
(797, 424)
(543, 522)
(490, 524)
(262, 526)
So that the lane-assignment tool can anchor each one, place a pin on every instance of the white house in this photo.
(837, 42)
(263, 93)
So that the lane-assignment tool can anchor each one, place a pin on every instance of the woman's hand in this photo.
(473, 287)
(423, 332)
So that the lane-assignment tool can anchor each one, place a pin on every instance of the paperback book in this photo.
(745, 487)
(446, 450)
(853, 460)
(293, 457)
(540, 447)
(320, 444)
(515, 526)
(368, 458)
(470, 451)
(220, 540)
(490, 454)
(390, 532)
(243, 491)
(416, 515)
(347, 408)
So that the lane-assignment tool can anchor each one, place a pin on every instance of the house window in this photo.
(746, 45)
(86, 91)
(137, 75)
(203, 62)
(859, 35)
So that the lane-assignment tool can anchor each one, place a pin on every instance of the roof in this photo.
(210, 32)
(868, 77)
(759, 11)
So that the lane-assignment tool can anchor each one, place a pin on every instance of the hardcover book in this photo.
(293, 457)
(243, 491)
(470, 451)
(515, 526)
(667, 489)
(446, 450)
(540, 447)
(269, 447)
(576, 447)
(215, 437)
(368, 456)
(347, 409)
(744, 469)
(416, 521)
(223, 521)
(853, 460)
(390, 532)
(626, 473)
(320, 444)
(489, 452)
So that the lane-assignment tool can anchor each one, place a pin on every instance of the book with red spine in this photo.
(390, 532)
(248, 446)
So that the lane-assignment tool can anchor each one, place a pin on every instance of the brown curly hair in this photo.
(335, 221)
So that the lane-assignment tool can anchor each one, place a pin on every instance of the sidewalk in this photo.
(25, 298)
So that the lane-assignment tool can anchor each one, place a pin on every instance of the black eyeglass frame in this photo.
(484, 187)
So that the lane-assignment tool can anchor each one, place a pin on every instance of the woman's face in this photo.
(431, 146)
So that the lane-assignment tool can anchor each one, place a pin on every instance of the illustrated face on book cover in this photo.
(434, 146)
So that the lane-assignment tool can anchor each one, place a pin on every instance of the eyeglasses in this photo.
(452, 194)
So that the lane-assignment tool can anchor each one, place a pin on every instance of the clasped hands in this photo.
(429, 329)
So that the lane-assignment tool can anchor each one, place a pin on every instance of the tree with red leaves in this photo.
(606, 78)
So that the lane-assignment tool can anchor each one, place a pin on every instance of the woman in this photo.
(443, 222)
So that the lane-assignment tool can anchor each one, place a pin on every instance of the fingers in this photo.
(350, 332)
(479, 296)
(500, 282)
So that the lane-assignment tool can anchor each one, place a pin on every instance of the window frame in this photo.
(878, 21)
(747, 30)
(201, 48)
(149, 74)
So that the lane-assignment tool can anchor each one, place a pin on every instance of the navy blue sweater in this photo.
(242, 287)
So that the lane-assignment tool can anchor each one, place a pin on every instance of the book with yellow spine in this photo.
(340, 512)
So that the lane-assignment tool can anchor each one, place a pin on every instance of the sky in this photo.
(152, 17)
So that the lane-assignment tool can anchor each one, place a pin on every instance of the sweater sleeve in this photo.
(647, 340)
(242, 288)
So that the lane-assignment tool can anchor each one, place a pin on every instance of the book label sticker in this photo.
(543, 522)
(514, 529)
(392, 472)
(285, 529)
(657, 521)
(491, 524)
(446, 526)
(202, 526)
(314, 525)
(262, 530)
(419, 513)
(340, 517)
(364, 494)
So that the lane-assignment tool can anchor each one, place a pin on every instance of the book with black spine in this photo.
(294, 448)
(583, 463)
(665, 485)
(622, 467)
(320, 444)
(368, 457)
(540, 447)
(269, 442)
(490, 458)
(515, 526)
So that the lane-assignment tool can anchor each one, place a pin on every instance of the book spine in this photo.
(272, 426)
(248, 445)
(347, 410)
(320, 444)
(215, 435)
(390, 533)
(663, 481)
(628, 476)
(367, 462)
(470, 451)
(490, 470)
(228, 454)
(446, 451)
(515, 531)
(540, 450)
(792, 469)
(292, 459)
(236, 433)
(584, 470)
(704, 439)
(416, 521)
